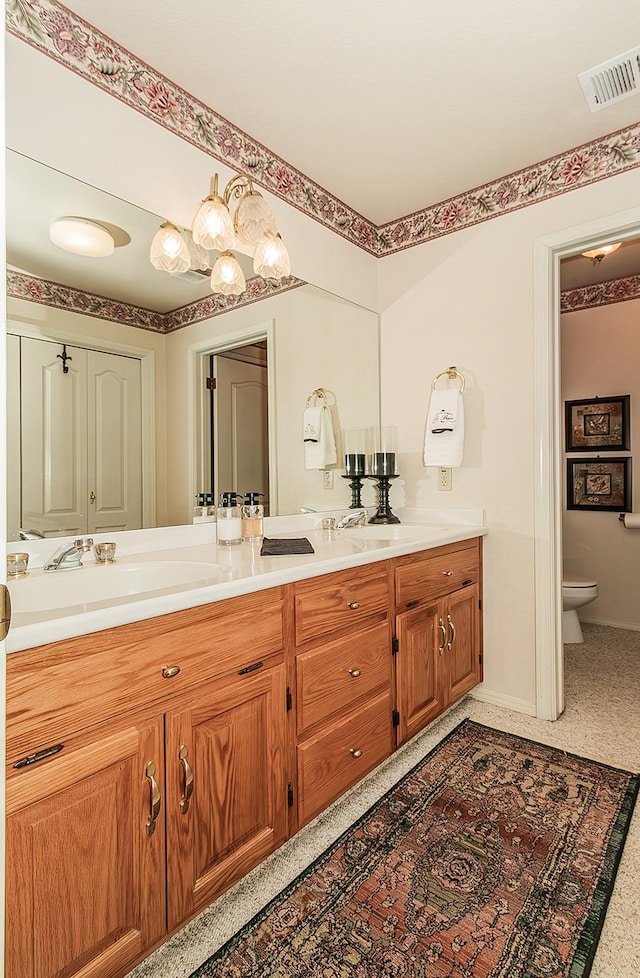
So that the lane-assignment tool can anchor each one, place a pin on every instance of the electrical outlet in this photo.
(327, 479)
(444, 480)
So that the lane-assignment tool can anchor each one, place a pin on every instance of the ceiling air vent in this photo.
(612, 81)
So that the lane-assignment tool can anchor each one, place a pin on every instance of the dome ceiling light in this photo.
(81, 236)
(216, 227)
(597, 254)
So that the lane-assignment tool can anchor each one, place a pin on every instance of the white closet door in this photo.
(114, 448)
(53, 439)
(14, 474)
(241, 440)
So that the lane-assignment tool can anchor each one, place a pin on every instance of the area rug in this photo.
(495, 856)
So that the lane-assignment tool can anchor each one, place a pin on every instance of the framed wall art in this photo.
(597, 425)
(599, 484)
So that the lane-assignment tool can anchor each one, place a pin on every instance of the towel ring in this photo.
(453, 374)
(320, 392)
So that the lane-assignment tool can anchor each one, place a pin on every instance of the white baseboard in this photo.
(507, 702)
(630, 626)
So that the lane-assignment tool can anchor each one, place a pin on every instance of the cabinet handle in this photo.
(188, 780)
(170, 671)
(353, 605)
(149, 772)
(355, 673)
(443, 632)
(355, 753)
(448, 573)
(92, 496)
(453, 632)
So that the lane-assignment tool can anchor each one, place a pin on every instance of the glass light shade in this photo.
(212, 225)
(271, 258)
(199, 257)
(226, 275)
(169, 251)
(599, 253)
(81, 237)
(254, 218)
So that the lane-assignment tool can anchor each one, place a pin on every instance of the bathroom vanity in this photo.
(152, 764)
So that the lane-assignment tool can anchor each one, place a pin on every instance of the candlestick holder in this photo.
(356, 488)
(384, 513)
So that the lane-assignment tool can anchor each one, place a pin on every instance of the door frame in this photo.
(197, 421)
(147, 392)
(548, 251)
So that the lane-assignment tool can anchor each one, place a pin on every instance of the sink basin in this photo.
(394, 531)
(55, 590)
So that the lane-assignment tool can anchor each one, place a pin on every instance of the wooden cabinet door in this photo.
(226, 787)
(421, 636)
(85, 879)
(462, 649)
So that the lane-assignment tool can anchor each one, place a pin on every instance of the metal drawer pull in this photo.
(170, 671)
(39, 755)
(443, 632)
(149, 772)
(453, 632)
(355, 753)
(448, 573)
(353, 605)
(355, 673)
(188, 780)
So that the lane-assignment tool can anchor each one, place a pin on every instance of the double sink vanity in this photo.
(174, 717)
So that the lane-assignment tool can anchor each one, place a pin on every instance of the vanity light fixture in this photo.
(218, 227)
(81, 236)
(597, 254)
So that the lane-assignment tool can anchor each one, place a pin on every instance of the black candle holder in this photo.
(356, 488)
(383, 514)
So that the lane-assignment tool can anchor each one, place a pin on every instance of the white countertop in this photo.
(240, 570)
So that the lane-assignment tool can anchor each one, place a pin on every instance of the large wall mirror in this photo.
(95, 342)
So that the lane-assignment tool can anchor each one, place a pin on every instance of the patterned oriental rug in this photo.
(494, 858)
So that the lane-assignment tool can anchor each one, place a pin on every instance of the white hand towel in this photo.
(444, 438)
(319, 452)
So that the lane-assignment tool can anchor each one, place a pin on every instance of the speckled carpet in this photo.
(494, 857)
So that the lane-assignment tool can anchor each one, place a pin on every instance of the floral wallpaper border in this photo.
(601, 294)
(73, 42)
(23, 286)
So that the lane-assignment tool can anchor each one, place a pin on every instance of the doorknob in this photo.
(5, 611)
(92, 496)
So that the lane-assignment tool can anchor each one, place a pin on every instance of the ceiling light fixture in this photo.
(81, 237)
(251, 225)
(597, 254)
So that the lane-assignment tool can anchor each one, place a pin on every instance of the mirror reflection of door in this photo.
(80, 440)
(239, 422)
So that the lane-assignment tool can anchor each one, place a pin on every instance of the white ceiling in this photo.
(390, 107)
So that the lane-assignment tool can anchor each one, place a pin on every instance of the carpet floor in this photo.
(494, 856)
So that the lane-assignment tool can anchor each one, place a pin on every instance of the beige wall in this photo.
(600, 356)
(320, 341)
(467, 299)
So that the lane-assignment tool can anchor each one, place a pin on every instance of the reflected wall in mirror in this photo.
(314, 339)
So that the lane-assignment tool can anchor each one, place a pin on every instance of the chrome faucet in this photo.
(352, 519)
(69, 555)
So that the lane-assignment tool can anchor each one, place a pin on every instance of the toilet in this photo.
(576, 592)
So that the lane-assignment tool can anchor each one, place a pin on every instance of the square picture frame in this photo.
(600, 485)
(598, 424)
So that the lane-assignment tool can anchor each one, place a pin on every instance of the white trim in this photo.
(547, 253)
(504, 702)
(197, 450)
(147, 392)
(628, 626)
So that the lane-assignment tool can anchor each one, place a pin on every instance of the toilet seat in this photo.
(577, 580)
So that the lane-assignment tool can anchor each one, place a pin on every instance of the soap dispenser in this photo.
(252, 517)
(229, 519)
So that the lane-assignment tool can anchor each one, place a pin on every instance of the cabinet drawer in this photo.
(342, 600)
(331, 762)
(56, 689)
(330, 679)
(436, 573)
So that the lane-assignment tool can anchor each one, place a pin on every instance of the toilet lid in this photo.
(577, 580)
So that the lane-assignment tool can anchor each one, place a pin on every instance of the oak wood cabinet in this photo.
(438, 632)
(89, 861)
